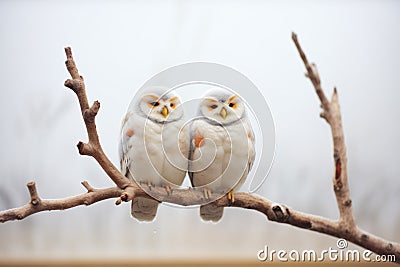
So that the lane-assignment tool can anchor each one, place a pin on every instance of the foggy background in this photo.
(118, 45)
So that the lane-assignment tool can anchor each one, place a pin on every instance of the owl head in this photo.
(160, 105)
(222, 106)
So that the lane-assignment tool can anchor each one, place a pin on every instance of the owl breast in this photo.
(221, 162)
(154, 153)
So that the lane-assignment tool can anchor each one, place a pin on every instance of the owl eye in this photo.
(232, 105)
(172, 105)
(154, 104)
(213, 106)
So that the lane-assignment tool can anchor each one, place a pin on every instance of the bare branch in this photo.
(35, 199)
(345, 226)
(36, 204)
(88, 186)
(93, 147)
(283, 214)
(312, 73)
(273, 211)
(70, 63)
(126, 190)
(331, 112)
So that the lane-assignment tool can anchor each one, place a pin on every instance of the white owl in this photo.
(222, 148)
(154, 146)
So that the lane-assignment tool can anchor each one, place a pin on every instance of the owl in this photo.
(221, 149)
(154, 146)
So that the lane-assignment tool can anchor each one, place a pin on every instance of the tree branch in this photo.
(126, 190)
(331, 113)
(36, 204)
(312, 73)
(93, 147)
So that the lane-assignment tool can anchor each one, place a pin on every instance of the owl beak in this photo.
(223, 113)
(164, 111)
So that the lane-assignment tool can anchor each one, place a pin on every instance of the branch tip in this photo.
(324, 116)
(294, 37)
(312, 73)
(80, 146)
(68, 51)
(68, 83)
(96, 106)
(70, 63)
(90, 113)
(84, 149)
(88, 187)
(35, 199)
(335, 95)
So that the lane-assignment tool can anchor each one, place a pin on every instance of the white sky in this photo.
(118, 45)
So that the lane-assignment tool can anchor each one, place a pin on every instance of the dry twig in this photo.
(344, 227)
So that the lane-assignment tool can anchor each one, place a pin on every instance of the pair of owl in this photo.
(158, 147)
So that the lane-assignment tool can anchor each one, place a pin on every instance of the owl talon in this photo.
(150, 185)
(231, 196)
(168, 189)
(207, 193)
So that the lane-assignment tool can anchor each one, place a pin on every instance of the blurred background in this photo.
(118, 45)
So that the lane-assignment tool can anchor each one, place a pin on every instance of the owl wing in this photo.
(194, 144)
(190, 153)
(124, 146)
(184, 142)
(251, 145)
(142, 209)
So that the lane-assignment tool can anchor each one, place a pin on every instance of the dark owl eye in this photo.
(154, 104)
(172, 105)
(232, 105)
(213, 106)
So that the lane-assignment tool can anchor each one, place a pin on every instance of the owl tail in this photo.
(144, 209)
(210, 212)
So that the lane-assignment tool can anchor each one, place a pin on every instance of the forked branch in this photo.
(331, 113)
(93, 147)
(126, 190)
